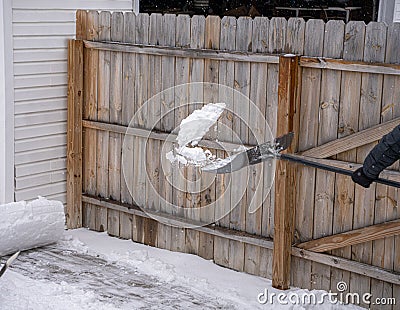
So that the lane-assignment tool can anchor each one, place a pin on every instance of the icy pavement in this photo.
(88, 270)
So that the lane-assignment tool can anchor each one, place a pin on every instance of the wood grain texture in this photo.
(285, 181)
(350, 66)
(348, 124)
(257, 135)
(153, 116)
(103, 114)
(384, 251)
(347, 143)
(308, 137)
(369, 115)
(225, 129)
(210, 95)
(140, 120)
(128, 111)
(181, 110)
(241, 117)
(327, 131)
(196, 98)
(74, 134)
(195, 53)
(90, 112)
(353, 237)
(167, 123)
(115, 139)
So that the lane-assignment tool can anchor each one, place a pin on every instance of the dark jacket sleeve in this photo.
(384, 154)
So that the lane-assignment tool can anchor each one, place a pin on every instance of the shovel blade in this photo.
(255, 155)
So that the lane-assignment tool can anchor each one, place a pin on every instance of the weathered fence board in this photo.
(90, 112)
(74, 134)
(103, 114)
(346, 86)
(348, 124)
(114, 148)
(328, 109)
(127, 230)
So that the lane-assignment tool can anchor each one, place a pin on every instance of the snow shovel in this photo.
(270, 150)
(8, 263)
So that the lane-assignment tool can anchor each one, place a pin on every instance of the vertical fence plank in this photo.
(273, 44)
(212, 41)
(225, 129)
(258, 98)
(103, 115)
(310, 94)
(153, 117)
(144, 227)
(383, 251)
(196, 73)
(74, 134)
(127, 221)
(181, 111)
(370, 103)
(153, 150)
(295, 43)
(327, 131)
(276, 41)
(168, 123)
(90, 112)
(390, 110)
(114, 148)
(295, 35)
(285, 181)
(277, 35)
(348, 124)
(240, 123)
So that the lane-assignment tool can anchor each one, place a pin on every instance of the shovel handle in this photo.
(310, 163)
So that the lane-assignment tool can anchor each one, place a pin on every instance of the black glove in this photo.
(359, 177)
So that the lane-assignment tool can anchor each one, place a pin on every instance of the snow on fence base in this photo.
(30, 225)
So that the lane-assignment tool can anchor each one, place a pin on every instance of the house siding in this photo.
(41, 30)
(396, 17)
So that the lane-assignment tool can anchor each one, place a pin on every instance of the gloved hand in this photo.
(359, 177)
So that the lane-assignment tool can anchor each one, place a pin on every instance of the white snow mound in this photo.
(25, 225)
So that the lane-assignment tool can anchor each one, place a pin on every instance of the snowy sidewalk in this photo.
(88, 270)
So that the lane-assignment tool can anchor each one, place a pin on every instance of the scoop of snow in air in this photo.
(191, 130)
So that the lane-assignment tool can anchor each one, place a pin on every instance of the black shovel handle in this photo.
(310, 163)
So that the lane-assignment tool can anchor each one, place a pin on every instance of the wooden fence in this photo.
(340, 95)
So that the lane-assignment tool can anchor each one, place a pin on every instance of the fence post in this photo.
(285, 177)
(74, 134)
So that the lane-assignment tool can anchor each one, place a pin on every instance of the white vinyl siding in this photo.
(40, 32)
(396, 17)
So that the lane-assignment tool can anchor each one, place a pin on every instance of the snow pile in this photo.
(191, 131)
(25, 226)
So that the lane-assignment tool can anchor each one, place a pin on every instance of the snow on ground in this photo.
(89, 270)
